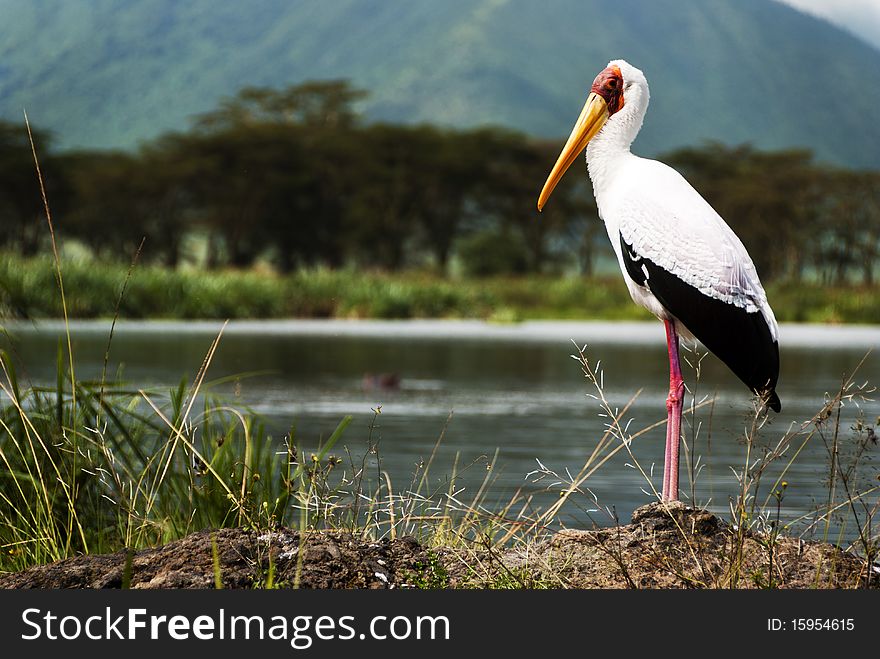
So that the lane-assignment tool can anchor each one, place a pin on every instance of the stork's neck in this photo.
(611, 146)
(607, 151)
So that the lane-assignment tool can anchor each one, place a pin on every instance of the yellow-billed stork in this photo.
(679, 259)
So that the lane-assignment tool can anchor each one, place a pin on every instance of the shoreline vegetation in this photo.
(28, 289)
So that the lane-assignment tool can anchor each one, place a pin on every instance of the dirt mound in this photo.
(329, 560)
(665, 546)
(676, 546)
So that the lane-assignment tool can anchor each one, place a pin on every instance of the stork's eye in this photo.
(612, 83)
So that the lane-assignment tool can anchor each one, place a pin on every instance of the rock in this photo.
(674, 515)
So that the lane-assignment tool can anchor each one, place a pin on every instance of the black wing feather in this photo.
(740, 339)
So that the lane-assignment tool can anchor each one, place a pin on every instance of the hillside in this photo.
(109, 74)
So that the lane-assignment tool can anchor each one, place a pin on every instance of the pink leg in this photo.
(674, 403)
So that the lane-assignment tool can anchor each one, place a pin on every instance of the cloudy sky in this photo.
(862, 17)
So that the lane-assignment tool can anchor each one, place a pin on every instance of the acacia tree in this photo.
(849, 240)
(514, 176)
(317, 103)
(275, 172)
(21, 205)
(120, 198)
(109, 212)
(452, 168)
(310, 188)
(386, 202)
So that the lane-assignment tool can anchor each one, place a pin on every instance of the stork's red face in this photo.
(609, 85)
(606, 98)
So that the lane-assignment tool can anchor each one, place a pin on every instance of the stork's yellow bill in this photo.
(606, 98)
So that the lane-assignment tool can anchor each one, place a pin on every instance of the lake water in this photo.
(513, 388)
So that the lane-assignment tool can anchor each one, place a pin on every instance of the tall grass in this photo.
(142, 468)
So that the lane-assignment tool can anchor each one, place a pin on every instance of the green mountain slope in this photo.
(109, 74)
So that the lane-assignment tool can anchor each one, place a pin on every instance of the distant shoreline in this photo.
(597, 331)
(29, 290)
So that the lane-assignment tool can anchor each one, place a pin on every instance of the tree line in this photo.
(296, 178)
